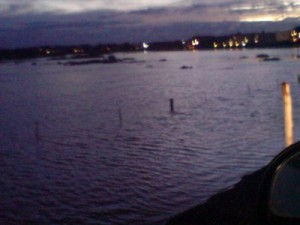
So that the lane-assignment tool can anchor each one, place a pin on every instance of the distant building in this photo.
(295, 35)
(267, 39)
(283, 36)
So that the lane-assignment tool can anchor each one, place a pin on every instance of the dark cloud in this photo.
(199, 8)
(15, 8)
(151, 24)
(96, 33)
(264, 7)
(150, 11)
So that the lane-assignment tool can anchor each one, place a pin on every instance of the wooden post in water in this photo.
(120, 117)
(171, 105)
(288, 113)
(249, 89)
(37, 133)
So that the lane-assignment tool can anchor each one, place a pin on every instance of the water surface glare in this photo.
(97, 144)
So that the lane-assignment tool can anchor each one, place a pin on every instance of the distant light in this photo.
(230, 43)
(195, 42)
(224, 45)
(183, 42)
(215, 44)
(48, 52)
(256, 39)
(145, 45)
(293, 33)
(244, 43)
(77, 50)
(237, 44)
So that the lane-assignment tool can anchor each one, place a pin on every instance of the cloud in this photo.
(156, 10)
(14, 8)
(17, 7)
(35, 22)
(266, 10)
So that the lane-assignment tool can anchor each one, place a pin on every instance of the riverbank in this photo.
(234, 206)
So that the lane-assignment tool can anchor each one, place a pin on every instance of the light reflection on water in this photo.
(110, 150)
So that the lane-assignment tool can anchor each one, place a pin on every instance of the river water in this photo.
(97, 144)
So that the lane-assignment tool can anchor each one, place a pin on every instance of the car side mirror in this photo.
(280, 192)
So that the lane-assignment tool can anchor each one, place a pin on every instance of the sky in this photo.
(25, 23)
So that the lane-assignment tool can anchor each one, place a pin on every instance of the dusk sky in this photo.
(41, 22)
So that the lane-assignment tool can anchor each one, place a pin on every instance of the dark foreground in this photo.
(237, 206)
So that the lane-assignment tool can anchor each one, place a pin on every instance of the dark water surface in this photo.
(96, 144)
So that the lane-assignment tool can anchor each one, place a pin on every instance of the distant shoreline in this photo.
(60, 53)
(285, 39)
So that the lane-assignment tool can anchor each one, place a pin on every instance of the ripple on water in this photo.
(110, 152)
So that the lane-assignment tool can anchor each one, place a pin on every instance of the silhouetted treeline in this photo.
(289, 38)
(166, 46)
(63, 51)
